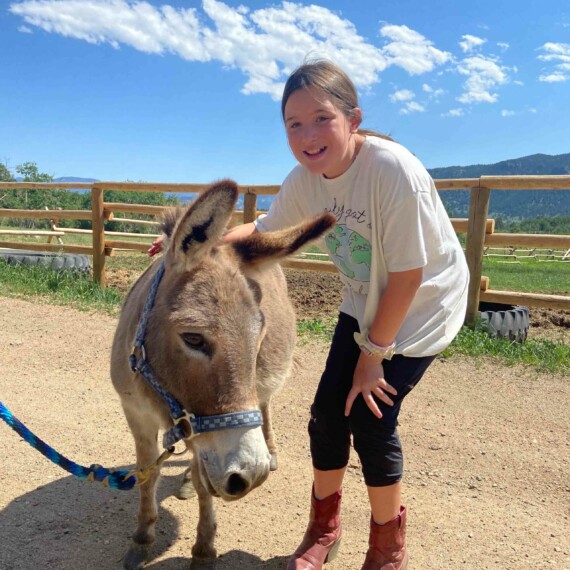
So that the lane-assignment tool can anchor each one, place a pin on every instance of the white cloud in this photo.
(265, 44)
(140, 25)
(433, 93)
(405, 96)
(554, 77)
(25, 30)
(454, 113)
(484, 75)
(470, 43)
(401, 95)
(555, 50)
(559, 54)
(507, 113)
(412, 107)
(410, 50)
(504, 46)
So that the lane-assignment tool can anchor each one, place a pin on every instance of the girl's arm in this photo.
(394, 305)
(390, 314)
(239, 232)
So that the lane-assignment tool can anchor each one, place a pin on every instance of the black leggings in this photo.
(375, 440)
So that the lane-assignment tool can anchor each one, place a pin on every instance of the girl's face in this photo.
(320, 136)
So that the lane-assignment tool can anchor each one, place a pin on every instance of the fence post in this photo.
(97, 220)
(249, 207)
(478, 210)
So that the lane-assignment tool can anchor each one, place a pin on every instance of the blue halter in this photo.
(186, 425)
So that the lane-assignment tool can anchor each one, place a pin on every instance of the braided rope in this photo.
(121, 480)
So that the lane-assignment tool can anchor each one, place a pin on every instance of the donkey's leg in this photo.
(203, 552)
(268, 432)
(145, 432)
(186, 490)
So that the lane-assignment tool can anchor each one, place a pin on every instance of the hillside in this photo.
(509, 204)
(534, 164)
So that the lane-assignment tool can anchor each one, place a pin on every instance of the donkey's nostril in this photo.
(236, 484)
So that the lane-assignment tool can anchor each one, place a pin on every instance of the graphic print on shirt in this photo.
(350, 252)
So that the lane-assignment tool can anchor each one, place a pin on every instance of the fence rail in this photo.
(479, 229)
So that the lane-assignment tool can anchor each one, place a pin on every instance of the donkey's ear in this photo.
(272, 246)
(201, 227)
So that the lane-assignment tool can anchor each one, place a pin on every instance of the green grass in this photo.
(130, 261)
(529, 276)
(58, 287)
(316, 328)
(543, 355)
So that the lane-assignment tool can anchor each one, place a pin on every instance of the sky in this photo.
(189, 91)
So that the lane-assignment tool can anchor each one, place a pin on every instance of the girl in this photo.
(405, 281)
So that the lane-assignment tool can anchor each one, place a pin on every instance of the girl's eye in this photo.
(293, 125)
(322, 119)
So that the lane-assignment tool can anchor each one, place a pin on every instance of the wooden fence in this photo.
(480, 230)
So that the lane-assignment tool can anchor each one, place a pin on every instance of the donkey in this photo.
(219, 340)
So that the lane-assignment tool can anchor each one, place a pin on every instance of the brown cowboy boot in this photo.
(387, 544)
(322, 537)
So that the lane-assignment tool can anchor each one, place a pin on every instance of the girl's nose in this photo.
(308, 134)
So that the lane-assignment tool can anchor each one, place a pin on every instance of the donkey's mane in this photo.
(170, 216)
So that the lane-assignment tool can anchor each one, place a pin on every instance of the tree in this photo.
(30, 173)
(5, 175)
(26, 198)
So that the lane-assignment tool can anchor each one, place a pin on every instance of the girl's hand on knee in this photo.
(369, 381)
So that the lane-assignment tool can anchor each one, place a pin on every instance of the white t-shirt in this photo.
(390, 218)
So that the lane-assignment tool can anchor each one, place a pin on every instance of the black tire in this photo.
(505, 321)
(48, 259)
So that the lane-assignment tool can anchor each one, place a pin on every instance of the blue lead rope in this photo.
(121, 480)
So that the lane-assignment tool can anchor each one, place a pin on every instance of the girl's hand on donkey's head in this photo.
(156, 246)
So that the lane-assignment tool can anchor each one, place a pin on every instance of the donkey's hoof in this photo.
(186, 490)
(273, 462)
(137, 556)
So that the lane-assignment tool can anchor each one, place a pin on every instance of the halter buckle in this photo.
(185, 423)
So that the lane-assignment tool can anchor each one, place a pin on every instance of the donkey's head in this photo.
(207, 326)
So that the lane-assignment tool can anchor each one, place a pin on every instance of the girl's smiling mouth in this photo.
(315, 153)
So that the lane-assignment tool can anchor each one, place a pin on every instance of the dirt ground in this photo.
(487, 479)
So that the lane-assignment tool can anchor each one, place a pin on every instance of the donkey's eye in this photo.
(194, 340)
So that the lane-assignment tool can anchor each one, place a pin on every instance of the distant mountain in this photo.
(510, 204)
(75, 179)
(535, 164)
(66, 179)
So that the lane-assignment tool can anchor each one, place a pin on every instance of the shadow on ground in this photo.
(82, 521)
